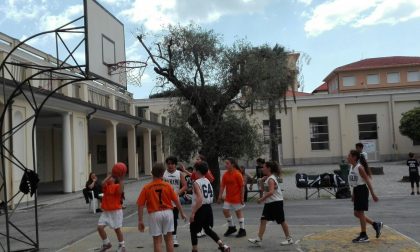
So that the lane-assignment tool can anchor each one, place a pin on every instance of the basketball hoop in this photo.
(129, 72)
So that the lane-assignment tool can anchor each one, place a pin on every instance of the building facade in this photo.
(359, 102)
(85, 127)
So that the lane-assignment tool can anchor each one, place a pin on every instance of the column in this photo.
(67, 155)
(343, 129)
(111, 144)
(147, 146)
(294, 133)
(159, 147)
(133, 169)
(84, 92)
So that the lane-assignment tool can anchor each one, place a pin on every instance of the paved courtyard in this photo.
(322, 224)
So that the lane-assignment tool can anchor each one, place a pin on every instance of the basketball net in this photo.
(129, 72)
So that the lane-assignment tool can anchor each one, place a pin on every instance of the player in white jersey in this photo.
(179, 184)
(201, 211)
(273, 207)
(359, 180)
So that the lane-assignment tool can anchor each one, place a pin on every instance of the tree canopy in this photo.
(210, 78)
(410, 124)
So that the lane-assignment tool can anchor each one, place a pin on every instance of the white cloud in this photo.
(51, 22)
(158, 13)
(19, 10)
(358, 13)
(305, 2)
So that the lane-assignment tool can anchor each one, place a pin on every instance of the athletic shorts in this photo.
(203, 218)
(414, 177)
(361, 198)
(273, 211)
(231, 206)
(112, 219)
(161, 222)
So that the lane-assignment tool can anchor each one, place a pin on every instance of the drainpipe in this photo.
(394, 145)
(88, 117)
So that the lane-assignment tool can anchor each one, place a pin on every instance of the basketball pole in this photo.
(7, 110)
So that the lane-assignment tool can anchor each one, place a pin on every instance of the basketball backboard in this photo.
(105, 43)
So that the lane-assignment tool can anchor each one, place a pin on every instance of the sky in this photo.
(328, 34)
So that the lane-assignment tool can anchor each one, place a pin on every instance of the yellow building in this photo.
(359, 102)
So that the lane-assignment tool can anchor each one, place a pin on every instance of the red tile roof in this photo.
(373, 63)
(322, 88)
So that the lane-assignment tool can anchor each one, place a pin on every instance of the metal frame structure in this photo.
(61, 71)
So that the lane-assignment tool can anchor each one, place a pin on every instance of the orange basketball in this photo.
(119, 170)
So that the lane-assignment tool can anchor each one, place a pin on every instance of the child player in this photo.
(360, 181)
(179, 184)
(112, 215)
(201, 211)
(413, 168)
(158, 197)
(273, 207)
(233, 182)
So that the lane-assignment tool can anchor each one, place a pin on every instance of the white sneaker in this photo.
(121, 249)
(176, 244)
(255, 241)
(288, 241)
(201, 234)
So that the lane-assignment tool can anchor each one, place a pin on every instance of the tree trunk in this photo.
(274, 145)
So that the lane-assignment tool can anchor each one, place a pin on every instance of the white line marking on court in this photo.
(403, 235)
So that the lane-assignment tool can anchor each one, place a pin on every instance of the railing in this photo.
(122, 106)
(98, 98)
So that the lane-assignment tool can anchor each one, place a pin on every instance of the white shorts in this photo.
(230, 206)
(112, 219)
(161, 222)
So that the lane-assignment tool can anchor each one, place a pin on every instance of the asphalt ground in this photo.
(324, 224)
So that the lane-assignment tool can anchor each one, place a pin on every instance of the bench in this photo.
(327, 182)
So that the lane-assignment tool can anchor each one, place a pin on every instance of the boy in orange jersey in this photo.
(233, 182)
(158, 196)
(112, 215)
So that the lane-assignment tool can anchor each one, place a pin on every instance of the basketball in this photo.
(119, 170)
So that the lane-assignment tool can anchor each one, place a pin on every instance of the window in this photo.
(372, 79)
(413, 76)
(318, 130)
(393, 77)
(266, 131)
(349, 81)
(368, 128)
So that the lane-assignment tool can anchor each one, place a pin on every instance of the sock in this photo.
(106, 241)
(174, 237)
(230, 221)
(242, 223)
(122, 244)
(363, 234)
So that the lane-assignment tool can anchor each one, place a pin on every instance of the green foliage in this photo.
(236, 136)
(410, 124)
(239, 137)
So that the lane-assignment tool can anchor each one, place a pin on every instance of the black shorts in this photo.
(414, 177)
(273, 212)
(203, 218)
(361, 198)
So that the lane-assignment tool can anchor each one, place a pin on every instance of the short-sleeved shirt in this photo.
(413, 166)
(157, 195)
(234, 184)
(112, 197)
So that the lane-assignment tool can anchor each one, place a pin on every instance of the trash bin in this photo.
(344, 170)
